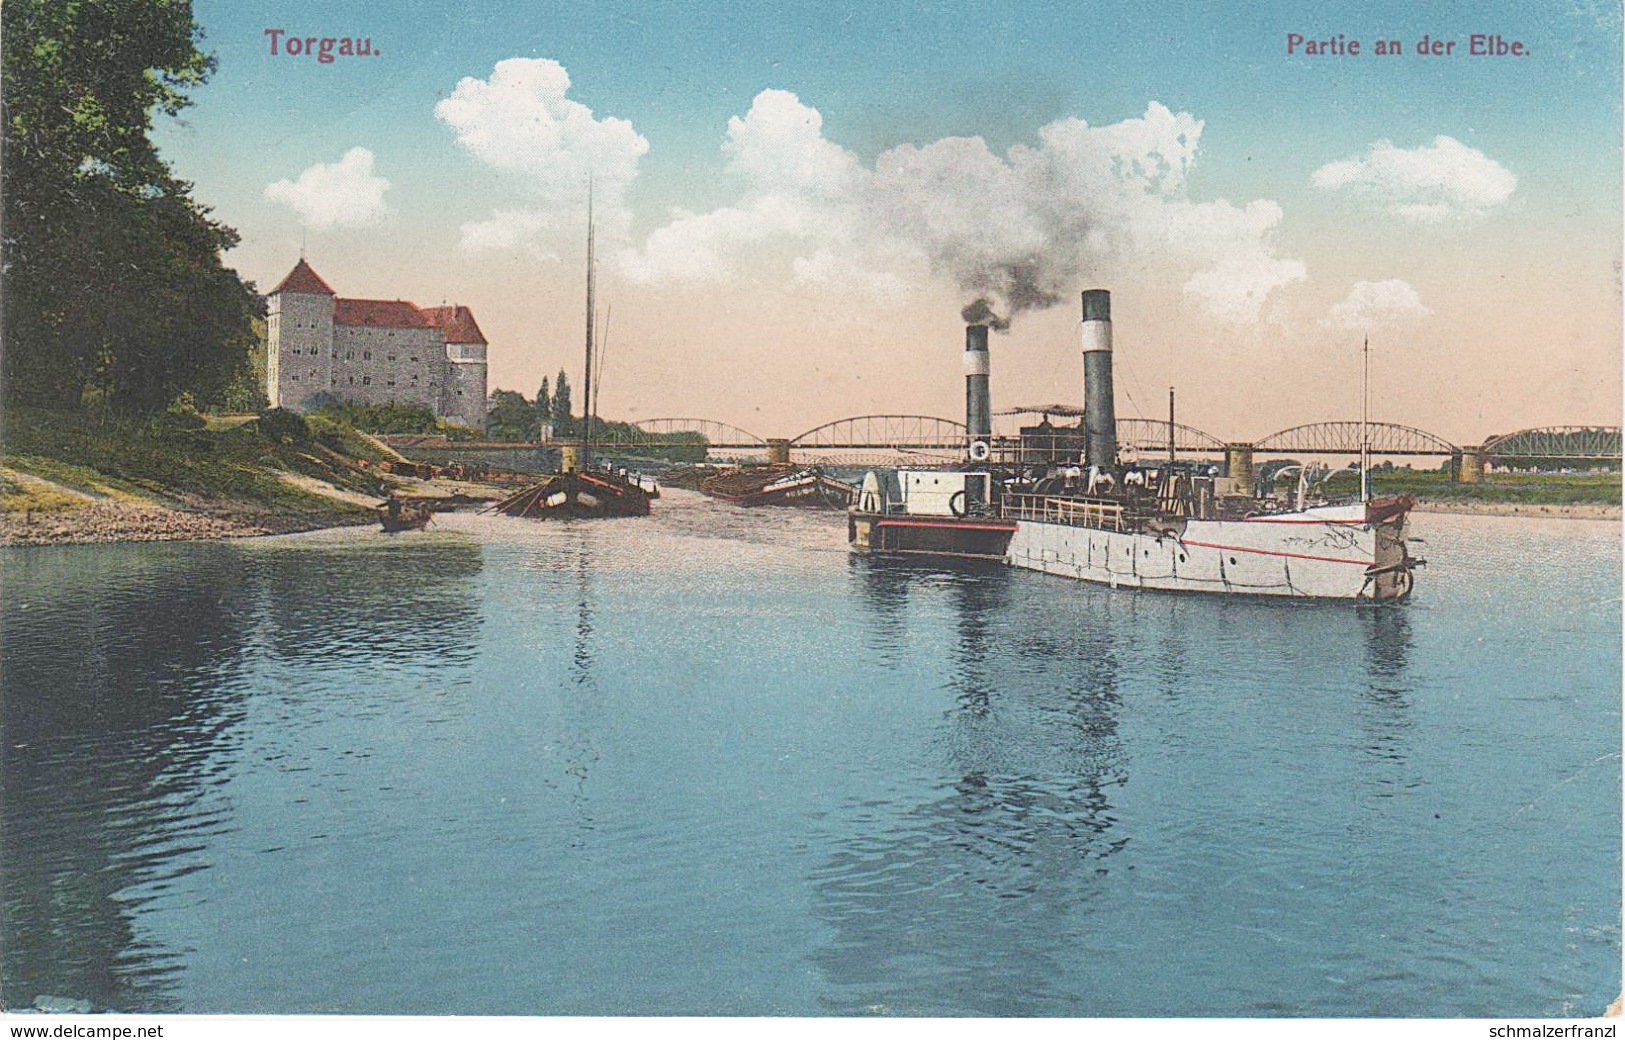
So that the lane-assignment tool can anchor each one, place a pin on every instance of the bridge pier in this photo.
(1238, 465)
(1470, 467)
(778, 451)
(569, 458)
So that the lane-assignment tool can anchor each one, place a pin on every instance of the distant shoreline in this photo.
(113, 522)
(1575, 511)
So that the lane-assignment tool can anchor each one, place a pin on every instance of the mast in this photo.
(586, 389)
(1365, 423)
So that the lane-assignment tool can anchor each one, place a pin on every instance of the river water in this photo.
(710, 763)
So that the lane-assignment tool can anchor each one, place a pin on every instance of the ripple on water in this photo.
(709, 763)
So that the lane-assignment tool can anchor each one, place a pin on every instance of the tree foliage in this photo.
(393, 417)
(511, 417)
(544, 402)
(114, 282)
(562, 423)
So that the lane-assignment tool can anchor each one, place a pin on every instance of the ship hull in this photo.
(1328, 554)
(1314, 560)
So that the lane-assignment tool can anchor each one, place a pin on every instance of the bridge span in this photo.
(924, 439)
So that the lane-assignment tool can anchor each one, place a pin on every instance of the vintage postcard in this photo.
(811, 510)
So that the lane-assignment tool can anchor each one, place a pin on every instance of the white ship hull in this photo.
(1325, 553)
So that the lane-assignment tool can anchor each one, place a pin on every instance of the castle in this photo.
(321, 347)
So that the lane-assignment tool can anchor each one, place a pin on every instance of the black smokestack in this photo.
(978, 406)
(1099, 408)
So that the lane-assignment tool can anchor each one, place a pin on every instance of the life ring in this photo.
(979, 451)
(956, 503)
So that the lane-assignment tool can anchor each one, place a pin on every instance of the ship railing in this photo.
(1102, 514)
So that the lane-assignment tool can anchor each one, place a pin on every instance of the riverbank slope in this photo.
(82, 478)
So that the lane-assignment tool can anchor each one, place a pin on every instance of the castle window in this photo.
(349, 355)
(392, 382)
(366, 355)
(352, 380)
(392, 357)
(366, 380)
(314, 352)
(296, 350)
(293, 379)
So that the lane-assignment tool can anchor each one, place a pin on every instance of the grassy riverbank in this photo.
(1497, 489)
(83, 477)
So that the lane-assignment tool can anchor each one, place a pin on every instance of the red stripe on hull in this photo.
(1271, 552)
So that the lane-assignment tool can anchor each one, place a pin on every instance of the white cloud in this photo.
(510, 229)
(1370, 304)
(780, 144)
(1021, 228)
(520, 120)
(826, 270)
(342, 194)
(1440, 181)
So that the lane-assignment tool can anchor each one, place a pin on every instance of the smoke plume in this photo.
(980, 312)
(1013, 232)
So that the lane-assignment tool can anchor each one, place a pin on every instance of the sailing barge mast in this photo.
(580, 490)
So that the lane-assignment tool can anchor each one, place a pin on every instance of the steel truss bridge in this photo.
(856, 434)
(1338, 438)
(1557, 442)
(867, 439)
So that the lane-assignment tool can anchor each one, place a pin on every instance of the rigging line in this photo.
(603, 348)
(1128, 379)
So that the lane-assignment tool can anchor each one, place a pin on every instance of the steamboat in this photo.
(1064, 503)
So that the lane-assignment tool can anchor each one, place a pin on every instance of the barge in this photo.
(779, 485)
(1087, 515)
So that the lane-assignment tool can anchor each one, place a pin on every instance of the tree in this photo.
(562, 422)
(544, 404)
(510, 417)
(114, 282)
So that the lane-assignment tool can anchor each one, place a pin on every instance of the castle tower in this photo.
(462, 396)
(299, 338)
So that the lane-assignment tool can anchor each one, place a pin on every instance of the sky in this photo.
(795, 201)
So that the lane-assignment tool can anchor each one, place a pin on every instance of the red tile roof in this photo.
(304, 279)
(379, 314)
(458, 322)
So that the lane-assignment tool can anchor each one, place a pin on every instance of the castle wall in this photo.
(381, 366)
(463, 397)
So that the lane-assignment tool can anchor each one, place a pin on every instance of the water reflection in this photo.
(956, 905)
(386, 604)
(581, 706)
(128, 672)
(1384, 709)
(119, 710)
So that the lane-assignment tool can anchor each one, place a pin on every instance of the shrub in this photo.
(283, 426)
(182, 415)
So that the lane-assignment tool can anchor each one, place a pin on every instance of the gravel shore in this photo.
(127, 522)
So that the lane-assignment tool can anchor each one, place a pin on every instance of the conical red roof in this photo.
(304, 279)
